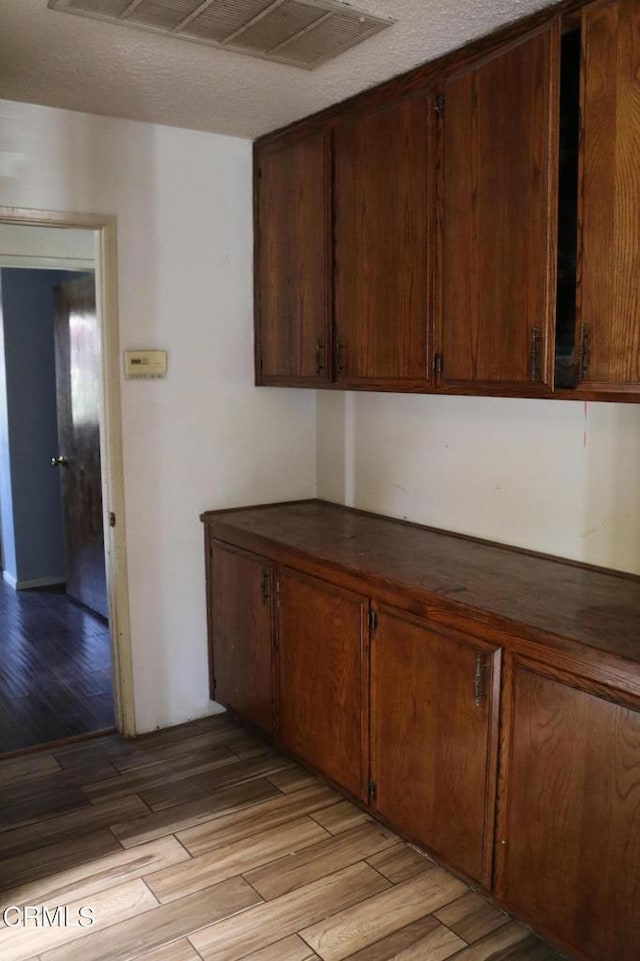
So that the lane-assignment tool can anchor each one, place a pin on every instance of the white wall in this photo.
(205, 437)
(562, 478)
(550, 476)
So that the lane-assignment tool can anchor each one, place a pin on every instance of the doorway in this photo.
(55, 670)
(81, 632)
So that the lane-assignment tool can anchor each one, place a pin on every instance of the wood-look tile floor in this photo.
(201, 843)
(55, 669)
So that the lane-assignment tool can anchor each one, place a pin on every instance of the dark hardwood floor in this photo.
(202, 843)
(55, 669)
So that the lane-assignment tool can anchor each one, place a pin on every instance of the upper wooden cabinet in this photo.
(608, 303)
(484, 240)
(498, 254)
(292, 285)
(383, 178)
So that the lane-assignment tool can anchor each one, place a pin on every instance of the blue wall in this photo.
(9, 563)
(30, 503)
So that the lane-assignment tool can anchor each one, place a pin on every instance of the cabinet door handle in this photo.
(339, 356)
(534, 359)
(582, 353)
(264, 586)
(319, 357)
(478, 681)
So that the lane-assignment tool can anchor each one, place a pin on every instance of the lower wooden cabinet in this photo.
(513, 759)
(409, 726)
(322, 636)
(434, 715)
(241, 633)
(569, 843)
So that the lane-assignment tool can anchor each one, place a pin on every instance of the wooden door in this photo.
(77, 346)
(292, 230)
(569, 838)
(608, 315)
(384, 179)
(434, 714)
(322, 642)
(241, 633)
(499, 172)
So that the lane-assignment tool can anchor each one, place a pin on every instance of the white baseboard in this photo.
(36, 582)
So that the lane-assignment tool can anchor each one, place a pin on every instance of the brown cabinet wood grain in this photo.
(323, 637)
(434, 714)
(402, 712)
(608, 315)
(499, 159)
(569, 842)
(292, 225)
(384, 169)
(484, 240)
(240, 597)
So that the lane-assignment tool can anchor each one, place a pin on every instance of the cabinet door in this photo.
(499, 170)
(322, 640)
(608, 316)
(382, 195)
(292, 213)
(241, 635)
(434, 713)
(570, 836)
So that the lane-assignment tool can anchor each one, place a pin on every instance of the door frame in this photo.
(105, 231)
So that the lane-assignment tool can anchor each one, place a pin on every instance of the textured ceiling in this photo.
(53, 58)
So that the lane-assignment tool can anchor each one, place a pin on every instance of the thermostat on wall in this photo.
(145, 364)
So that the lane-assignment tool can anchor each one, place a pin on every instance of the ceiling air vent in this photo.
(304, 33)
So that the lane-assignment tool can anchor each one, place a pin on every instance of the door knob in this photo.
(59, 461)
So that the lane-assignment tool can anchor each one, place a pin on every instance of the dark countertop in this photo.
(592, 606)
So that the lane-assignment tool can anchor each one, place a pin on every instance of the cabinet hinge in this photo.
(373, 620)
(371, 790)
(112, 519)
(438, 104)
(438, 364)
